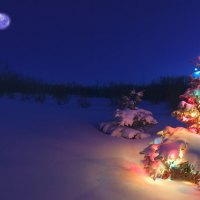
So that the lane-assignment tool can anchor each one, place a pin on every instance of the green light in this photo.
(197, 92)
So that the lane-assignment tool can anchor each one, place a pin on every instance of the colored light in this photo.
(158, 140)
(196, 74)
(193, 114)
(197, 92)
(172, 156)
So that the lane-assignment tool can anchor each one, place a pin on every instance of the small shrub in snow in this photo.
(130, 119)
(135, 118)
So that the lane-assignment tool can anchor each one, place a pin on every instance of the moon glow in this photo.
(4, 21)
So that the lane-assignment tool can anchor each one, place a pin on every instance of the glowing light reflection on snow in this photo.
(151, 181)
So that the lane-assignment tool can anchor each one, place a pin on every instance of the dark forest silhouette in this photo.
(165, 89)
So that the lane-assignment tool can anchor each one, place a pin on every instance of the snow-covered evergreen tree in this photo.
(189, 107)
(166, 157)
(132, 116)
(130, 120)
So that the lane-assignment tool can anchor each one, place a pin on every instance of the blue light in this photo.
(158, 140)
(196, 74)
(195, 69)
(172, 164)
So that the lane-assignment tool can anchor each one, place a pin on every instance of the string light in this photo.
(189, 108)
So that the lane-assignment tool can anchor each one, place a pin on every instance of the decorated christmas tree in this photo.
(167, 157)
(189, 107)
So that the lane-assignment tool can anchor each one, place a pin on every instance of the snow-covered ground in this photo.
(50, 152)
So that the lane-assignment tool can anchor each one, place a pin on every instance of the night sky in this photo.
(86, 41)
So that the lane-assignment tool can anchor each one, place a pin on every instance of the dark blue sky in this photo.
(101, 40)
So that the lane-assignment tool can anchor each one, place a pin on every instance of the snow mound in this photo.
(116, 130)
(182, 134)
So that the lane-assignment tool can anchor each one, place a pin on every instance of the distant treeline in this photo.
(165, 89)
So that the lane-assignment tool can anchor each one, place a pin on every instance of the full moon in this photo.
(4, 21)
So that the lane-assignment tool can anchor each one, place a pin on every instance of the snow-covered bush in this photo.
(135, 118)
(130, 120)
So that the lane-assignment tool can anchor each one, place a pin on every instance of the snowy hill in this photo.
(50, 152)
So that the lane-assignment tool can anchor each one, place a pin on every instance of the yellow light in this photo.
(172, 156)
(193, 114)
